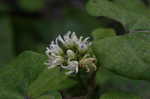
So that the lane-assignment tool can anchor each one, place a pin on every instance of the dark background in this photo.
(32, 24)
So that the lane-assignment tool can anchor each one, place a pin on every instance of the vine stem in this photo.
(82, 82)
(92, 85)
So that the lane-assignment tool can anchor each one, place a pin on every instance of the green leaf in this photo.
(6, 40)
(127, 55)
(102, 33)
(31, 5)
(28, 69)
(133, 14)
(50, 80)
(22, 71)
(119, 95)
(108, 80)
(9, 95)
(54, 95)
(103, 76)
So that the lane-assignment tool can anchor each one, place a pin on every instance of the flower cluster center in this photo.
(70, 53)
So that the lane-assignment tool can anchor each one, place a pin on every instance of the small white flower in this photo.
(83, 44)
(72, 66)
(54, 61)
(72, 55)
(54, 48)
(66, 40)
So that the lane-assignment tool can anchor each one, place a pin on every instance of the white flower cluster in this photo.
(71, 53)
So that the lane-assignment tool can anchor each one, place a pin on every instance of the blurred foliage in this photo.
(10, 95)
(119, 95)
(50, 97)
(32, 24)
(31, 5)
(6, 40)
(4, 7)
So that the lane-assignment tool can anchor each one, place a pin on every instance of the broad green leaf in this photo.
(119, 95)
(108, 80)
(127, 55)
(50, 80)
(6, 40)
(101, 33)
(133, 14)
(31, 5)
(22, 71)
(53, 95)
(103, 77)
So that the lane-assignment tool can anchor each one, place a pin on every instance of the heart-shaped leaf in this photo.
(50, 80)
(127, 55)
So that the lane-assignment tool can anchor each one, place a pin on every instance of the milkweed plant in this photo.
(79, 67)
(73, 56)
(103, 65)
